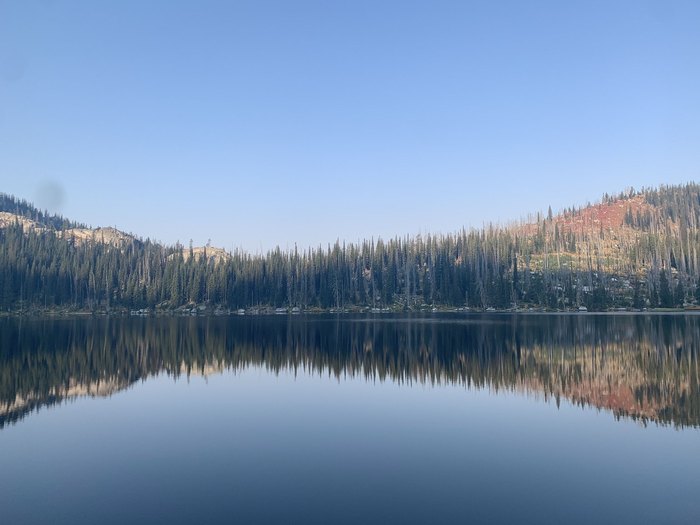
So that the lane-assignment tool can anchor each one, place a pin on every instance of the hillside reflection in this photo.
(635, 366)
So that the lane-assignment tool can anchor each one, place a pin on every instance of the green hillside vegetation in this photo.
(634, 250)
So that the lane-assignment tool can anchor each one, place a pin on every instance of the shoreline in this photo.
(278, 312)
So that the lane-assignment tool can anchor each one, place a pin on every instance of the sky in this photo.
(262, 123)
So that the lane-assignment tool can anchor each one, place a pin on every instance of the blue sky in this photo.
(261, 123)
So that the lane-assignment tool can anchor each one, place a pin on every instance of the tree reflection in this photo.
(636, 366)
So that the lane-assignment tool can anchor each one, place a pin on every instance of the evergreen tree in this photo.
(679, 294)
(665, 295)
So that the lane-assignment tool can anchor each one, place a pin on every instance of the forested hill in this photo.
(26, 212)
(634, 250)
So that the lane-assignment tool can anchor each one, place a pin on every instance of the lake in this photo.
(442, 418)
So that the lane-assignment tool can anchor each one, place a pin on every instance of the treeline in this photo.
(22, 208)
(566, 261)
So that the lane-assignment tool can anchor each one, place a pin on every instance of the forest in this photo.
(634, 250)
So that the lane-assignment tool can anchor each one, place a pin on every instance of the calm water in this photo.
(451, 418)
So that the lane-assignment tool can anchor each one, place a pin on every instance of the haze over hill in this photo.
(636, 249)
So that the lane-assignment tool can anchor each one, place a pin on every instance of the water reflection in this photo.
(635, 366)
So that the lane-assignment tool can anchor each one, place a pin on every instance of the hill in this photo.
(633, 250)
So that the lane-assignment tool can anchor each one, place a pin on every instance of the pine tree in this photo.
(665, 295)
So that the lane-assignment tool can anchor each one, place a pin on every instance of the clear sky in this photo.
(261, 123)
